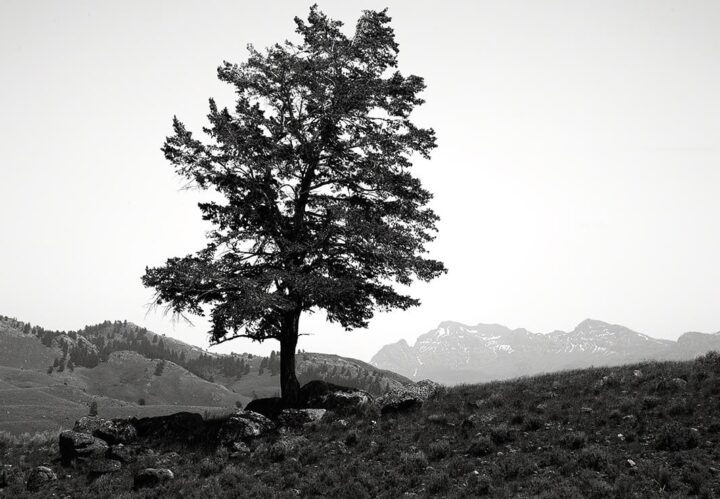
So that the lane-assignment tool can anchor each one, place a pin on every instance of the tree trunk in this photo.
(289, 385)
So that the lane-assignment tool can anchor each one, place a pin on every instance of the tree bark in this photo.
(289, 385)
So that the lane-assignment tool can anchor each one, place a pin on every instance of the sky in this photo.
(577, 173)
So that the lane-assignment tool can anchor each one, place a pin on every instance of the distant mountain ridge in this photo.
(457, 353)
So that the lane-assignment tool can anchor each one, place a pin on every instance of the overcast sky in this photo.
(577, 173)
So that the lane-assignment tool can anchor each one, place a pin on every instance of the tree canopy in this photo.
(320, 209)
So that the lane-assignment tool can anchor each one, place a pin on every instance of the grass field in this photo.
(641, 431)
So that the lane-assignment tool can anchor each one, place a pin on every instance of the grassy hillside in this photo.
(23, 351)
(129, 376)
(646, 430)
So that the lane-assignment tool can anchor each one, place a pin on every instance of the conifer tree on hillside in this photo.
(320, 209)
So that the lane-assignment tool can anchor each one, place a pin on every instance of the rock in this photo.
(408, 398)
(297, 418)
(102, 466)
(242, 426)
(116, 431)
(395, 403)
(425, 388)
(270, 407)
(630, 463)
(322, 395)
(152, 477)
(182, 426)
(40, 477)
(123, 453)
(239, 449)
(80, 446)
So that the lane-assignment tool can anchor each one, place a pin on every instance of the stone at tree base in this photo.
(182, 426)
(80, 446)
(39, 477)
(152, 477)
(319, 394)
(269, 407)
(115, 431)
(242, 426)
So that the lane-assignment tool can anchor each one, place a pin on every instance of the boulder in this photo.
(239, 449)
(297, 418)
(269, 407)
(323, 395)
(123, 453)
(394, 403)
(186, 427)
(152, 477)
(115, 431)
(244, 425)
(40, 477)
(76, 446)
(408, 398)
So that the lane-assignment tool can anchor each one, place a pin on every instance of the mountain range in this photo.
(457, 353)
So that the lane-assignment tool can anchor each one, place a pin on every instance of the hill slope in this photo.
(48, 379)
(644, 430)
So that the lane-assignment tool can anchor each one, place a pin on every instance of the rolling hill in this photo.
(49, 379)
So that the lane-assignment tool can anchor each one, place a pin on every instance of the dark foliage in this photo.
(320, 208)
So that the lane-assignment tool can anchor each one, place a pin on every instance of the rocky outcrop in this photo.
(152, 477)
(298, 418)
(407, 399)
(182, 426)
(269, 407)
(244, 425)
(76, 447)
(39, 478)
(116, 431)
(339, 399)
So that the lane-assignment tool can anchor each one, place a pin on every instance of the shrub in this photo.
(479, 485)
(439, 450)
(141, 401)
(351, 438)
(575, 440)
(413, 462)
(651, 402)
(481, 446)
(209, 466)
(674, 437)
(532, 424)
(501, 434)
(593, 458)
(438, 483)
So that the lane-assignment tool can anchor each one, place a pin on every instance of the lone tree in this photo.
(319, 210)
